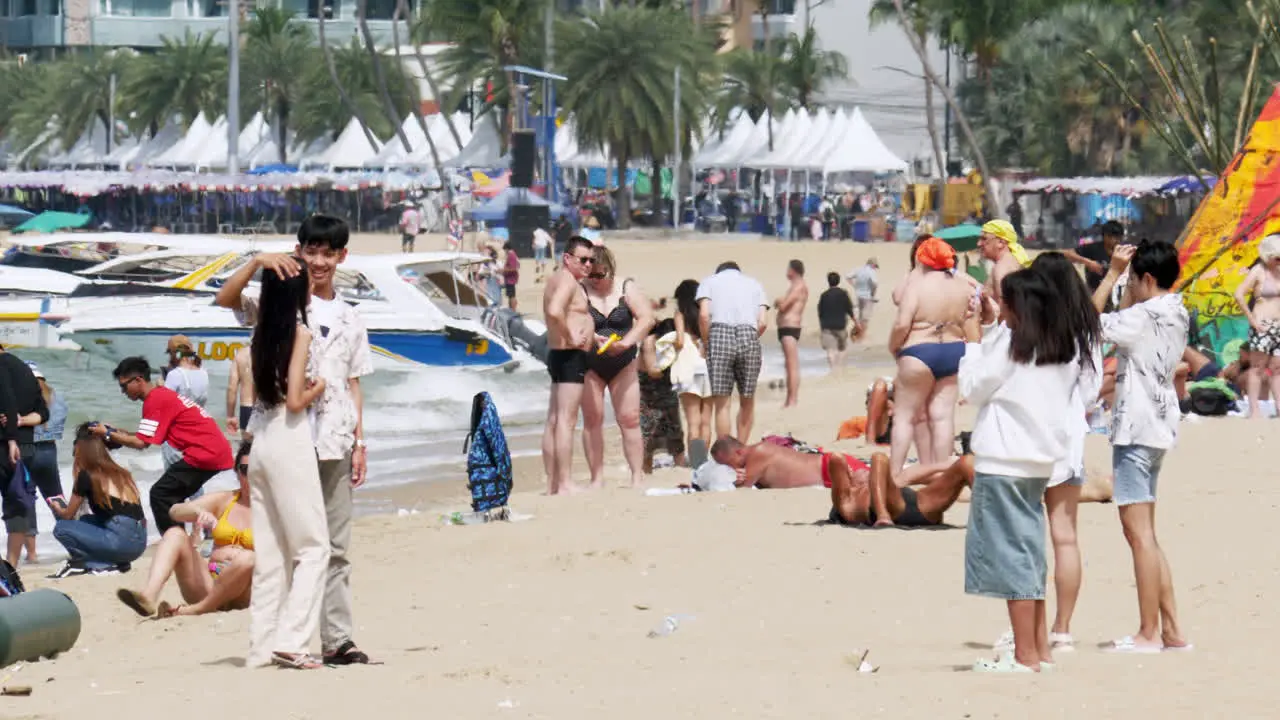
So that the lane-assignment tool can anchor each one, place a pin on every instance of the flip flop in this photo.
(1179, 648)
(347, 654)
(301, 661)
(134, 600)
(1003, 664)
(165, 611)
(1062, 642)
(1127, 645)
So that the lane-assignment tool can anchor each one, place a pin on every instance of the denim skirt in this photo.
(1004, 543)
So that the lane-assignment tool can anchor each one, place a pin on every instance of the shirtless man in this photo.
(569, 335)
(240, 394)
(861, 494)
(928, 340)
(790, 312)
(999, 244)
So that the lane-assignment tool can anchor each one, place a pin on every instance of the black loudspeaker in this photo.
(524, 155)
(522, 220)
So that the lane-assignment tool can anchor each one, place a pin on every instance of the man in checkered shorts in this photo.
(731, 309)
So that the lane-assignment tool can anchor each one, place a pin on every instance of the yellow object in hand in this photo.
(613, 338)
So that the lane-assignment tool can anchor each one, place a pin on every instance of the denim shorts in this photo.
(1136, 469)
(1004, 546)
(540, 254)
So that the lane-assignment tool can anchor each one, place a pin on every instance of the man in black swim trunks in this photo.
(790, 309)
(569, 334)
(871, 496)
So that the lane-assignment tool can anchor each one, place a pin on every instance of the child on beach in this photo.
(1020, 378)
(1150, 333)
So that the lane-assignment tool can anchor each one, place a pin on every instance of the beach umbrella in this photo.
(961, 237)
(53, 221)
(11, 215)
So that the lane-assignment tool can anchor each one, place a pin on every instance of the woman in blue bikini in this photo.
(928, 339)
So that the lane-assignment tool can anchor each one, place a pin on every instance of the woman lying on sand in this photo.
(221, 583)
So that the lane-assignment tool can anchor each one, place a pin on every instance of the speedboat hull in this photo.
(21, 325)
(392, 349)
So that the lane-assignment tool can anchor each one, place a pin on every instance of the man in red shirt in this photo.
(169, 417)
(511, 274)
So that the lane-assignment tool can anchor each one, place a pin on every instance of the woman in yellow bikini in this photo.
(224, 580)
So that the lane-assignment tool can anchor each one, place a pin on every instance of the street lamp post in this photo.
(233, 87)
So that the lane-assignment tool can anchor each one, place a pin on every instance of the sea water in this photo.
(416, 420)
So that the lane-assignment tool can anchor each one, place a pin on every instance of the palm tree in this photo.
(487, 36)
(348, 103)
(621, 68)
(25, 115)
(882, 11)
(807, 67)
(277, 55)
(83, 94)
(323, 112)
(184, 77)
(755, 82)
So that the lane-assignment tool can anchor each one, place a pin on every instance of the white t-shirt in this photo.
(410, 221)
(541, 239)
(735, 298)
(191, 383)
(1149, 339)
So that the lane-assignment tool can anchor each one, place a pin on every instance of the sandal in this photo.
(1061, 642)
(136, 602)
(347, 654)
(165, 611)
(1003, 664)
(300, 661)
(1128, 645)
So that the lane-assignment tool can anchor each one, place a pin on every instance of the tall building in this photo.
(41, 28)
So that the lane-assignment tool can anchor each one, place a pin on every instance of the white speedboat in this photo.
(419, 309)
(31, 298)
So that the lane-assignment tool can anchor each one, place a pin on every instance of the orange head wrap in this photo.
(936, 254)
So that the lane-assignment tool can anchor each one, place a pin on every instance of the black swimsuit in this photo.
(618, 322)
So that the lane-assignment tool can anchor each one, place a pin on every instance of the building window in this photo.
(27, 7)
(6, 8)
(137, 8)
(55, 7)
(381, 9)
(311, 8)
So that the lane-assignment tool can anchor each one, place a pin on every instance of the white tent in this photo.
(484, 150)
(786, 143)
(89, 151)
(144, 151)
(184, 152)
(448, 150)
(572, 156)
(861, 150)
(735, 137)
(394, 153)
(351, 150)
(812, 153)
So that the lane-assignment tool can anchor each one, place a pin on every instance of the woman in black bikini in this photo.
(621, 310)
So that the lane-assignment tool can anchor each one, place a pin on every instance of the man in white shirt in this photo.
(1150, 333)
(731, 316)
(541, 251)
(865, 281)
(341, 354)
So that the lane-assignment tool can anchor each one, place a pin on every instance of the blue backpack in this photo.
(488, 459)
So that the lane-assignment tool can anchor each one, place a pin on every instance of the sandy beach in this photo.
(548, 617)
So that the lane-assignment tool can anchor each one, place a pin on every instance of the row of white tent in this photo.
(825, 142)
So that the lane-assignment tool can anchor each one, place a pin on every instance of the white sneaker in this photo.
(68, 570)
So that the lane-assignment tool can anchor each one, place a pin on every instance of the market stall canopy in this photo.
(496, 209)
(350, 150)
(485, 147)
(1144, 186)
(961, 237)
(861, 150)
(446, 147)
(184, 152)
(53, 221)
(89, 151)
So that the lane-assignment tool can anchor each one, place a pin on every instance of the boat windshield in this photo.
(160, 269)
(446, 285)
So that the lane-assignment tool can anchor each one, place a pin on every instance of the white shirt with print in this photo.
(1149, 339)
(339, 353)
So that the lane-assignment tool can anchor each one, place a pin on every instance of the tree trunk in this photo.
(447, 186)
(695, 7)
(624, 195)
(402, 6)
(655, 191)
(931, 120)
(979, 157)
(342, 92)
(380, 77)
(282, 130)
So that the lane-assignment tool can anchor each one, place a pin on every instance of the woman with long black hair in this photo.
(689, 375)
(289, 523)
(1021, 379)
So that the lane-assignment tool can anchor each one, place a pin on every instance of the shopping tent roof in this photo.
(144, 151)
(184, 152)
(785, 141)
(496, 209)
(861, 150)
(90, 150)
(446, 146)
(484, 150)
(394, 153)
(350, 150)
(812, 154)
(738, 133)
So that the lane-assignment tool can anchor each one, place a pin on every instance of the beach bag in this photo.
(488, 458)
(1211, 402)
(10, 581)
(21, 488)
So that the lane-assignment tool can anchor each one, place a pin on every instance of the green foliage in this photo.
(320, 112)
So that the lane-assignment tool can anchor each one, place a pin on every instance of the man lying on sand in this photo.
(861, 494)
